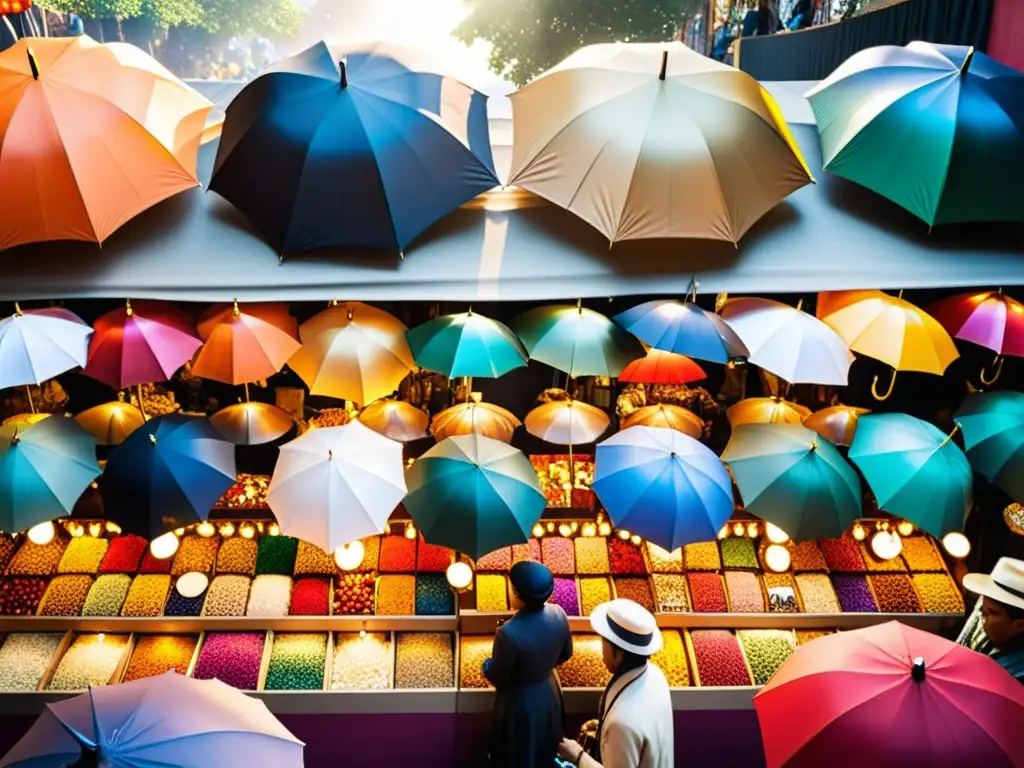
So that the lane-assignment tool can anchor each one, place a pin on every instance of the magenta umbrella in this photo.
(987, 318)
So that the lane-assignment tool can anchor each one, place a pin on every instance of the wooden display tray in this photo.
(195, 624)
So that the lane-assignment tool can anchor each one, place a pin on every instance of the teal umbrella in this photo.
(915, 471)
(793, 477)
(993, 427)
(466, 344)
(474, 494)
(44, 468)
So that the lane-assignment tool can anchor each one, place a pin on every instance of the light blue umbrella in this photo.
(993, 426)
(466, 344)
(915, 471)
(684, 328)
(663, 485)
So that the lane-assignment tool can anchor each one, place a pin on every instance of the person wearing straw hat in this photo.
(634, 729)
(996, 625)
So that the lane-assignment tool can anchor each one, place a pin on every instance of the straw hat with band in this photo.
(1004, 585)
(627, 625)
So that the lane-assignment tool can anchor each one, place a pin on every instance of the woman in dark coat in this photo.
(527, 726)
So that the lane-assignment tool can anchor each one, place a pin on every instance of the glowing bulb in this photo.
(551, 527)
(604, 529)
(956, 544)
(163, 547)
(777, 558)
(410, 531)
(564, 529)
(95, 529)
(179, 531)
(859, 533)
(623, 534)
(575, 526)
(274, 529)
(886, 545)
(589, 529)
(738, 529)
(247, 530)
(538, 530)
(76, 529)
(752, 530)
(349, 556)
(387, 529)
(42, 534)
(905, 528)
(206, 530)
(459, 575)
(775, 534)
(113, 528)
(227, 530)
(723, 532)
(362, 633)
(635, 539)
(100, 637)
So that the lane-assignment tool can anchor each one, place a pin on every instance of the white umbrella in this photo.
(567, 422)
(334, 485)
(38, 344)
(784, 340)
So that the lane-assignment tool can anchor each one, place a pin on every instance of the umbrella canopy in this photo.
(466, 344)
(567, 422)
(167, 474)
(44, 468)
(38, 344)
(474, 494)
(666, 416)
(628, 136)
(683, 328)
(321, 122)
(890, 696)
(93, 135)
(111, 423)
(166, 720)
(252, 423)
(837, 423)
(484, 419)
(396, 420)
(915, 471)
(794, 478)
(766, 410)
(576, 340)
(795, 346)
(245, 344)
(141, 343)
(660, 367)
(988, 318)
(993, 427)
(937, 129)
(334, 485)
(663, 485)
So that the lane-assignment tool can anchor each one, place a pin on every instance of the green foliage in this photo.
(531, 36)
(97, 9)
(173, 13)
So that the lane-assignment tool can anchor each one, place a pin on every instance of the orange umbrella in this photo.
(766, 410)
(837, 424)
(245, 345)
(661, 367)
(666, 416)
(90, 136)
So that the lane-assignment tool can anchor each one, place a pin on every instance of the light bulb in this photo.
(575, 526)
(206, 530)
(723, 532)
(777, 558)
(227, 530)
(362, 633)
(387, 529)
(551, 527)
(775, 534)
(95, 529)
(247, 530)
(859, 532)
(886, 545)
(179, 531)
(349, 556)
(459, 575)
(738, 529)
(76, 529)
(410, 531)
(623, 534)
(955, 543)
(635, 539)
(604, 529)
(752, 530)
(274, 530)
(905, 528)
(42, 534)
(100, 637)
(113, 528)
(538, 530)
(564, 529)
(163, 547)
(589, 529)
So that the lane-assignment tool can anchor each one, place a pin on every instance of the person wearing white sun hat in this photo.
(634, 728)
(996, 625)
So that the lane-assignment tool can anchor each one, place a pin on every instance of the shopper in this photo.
(634, 728)
(996, 626)
(528, 713)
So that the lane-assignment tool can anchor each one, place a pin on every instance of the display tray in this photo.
(173, 624)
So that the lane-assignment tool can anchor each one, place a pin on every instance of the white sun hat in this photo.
(627, 625)
(1005, 584)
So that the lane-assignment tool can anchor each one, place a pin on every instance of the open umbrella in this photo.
(890, 696)
(628, 136)
(890, 329)
(837, 423)
(766, 410)
(111, 423)
(990, 319)
(484, 419)
(167, 474)
(795, 346)
(93, 135)
(165, 720)
(937, 129)
(474, 494)
(352, 351)
(683, 328)
(663, 485)
(993, 427)
(321, 122)
(666, 416)
(252, 423)
(794, 478)
(44, 468)
(466, 344)
(660, 367)
(334, 485)
(245, 344)
(915, 471)
(566, 422)
(38, 344)
(396, 419)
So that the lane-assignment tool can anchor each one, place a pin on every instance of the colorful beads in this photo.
(91, 660)
(20, 596)
(873, 563)
(745, 595)
(179, 605)
(353, 594)
(671, 659)
(592, 555)
(566, 596)
(107, 595)
(424, 660)
(431, 558)
(233, 658)
(24, 658)
(361, 662)
(270, 595)
(817, 593)
(123, 554)
(807, 556)
(702, 556)
(593, 591)
(227, 595)
(706, 592)
(938, 593)
(276, 555)
(804, 636)
(151, 564)
(154, 655)
(663, 561)
(738, 552)
(843, 555)
(766, 650)
(396, 595)
(147, 595)
(920, 554)
(499, 561)
(528, 551)
(310, 560)
(636, 589)
(854, 594)
(195, 553)
(626, 558)
(491, 593)
(297, 662)
(671, 591)
(65, 596)
(894, 593)
(558, 555)
(237, 555)
(782, 594)
(38, 559)
(433, 595)
(311, 596)
(474, 650)
(371, 553)
(83, 555)
(586, 668)
(397, 555)
(719, 658)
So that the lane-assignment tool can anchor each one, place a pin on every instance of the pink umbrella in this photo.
(988, 318)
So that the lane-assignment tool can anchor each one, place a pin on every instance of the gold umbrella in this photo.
(837, 423)
(766, 410)
(566, 422)
(26, 419)
(110, 423)
(252, 423)
(666, 416)
(475, 418)
(395, 419)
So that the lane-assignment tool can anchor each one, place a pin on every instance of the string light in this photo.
(274, 530)
(227, 530)
(886, 545)
(777, 558)
(589, 529)
(538, 530)
(113, 527)
(859, 533)
(459, 575)
(206, 529)
(723, 532)
(738, 529)
(95, 529)
(623, 534)
(410, 531)
(752, 530)
(42, 534)
(604, 529)
(775, 534)
(635, 539)
(564, 529)
(247, 530)
(164, 547)
(551, 527)
(350, 556)
(905, 528)
(956, 544)
(387, 529)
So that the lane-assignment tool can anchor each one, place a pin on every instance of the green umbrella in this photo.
(474, 494)
(993, 426)
(915, 471)
(577, 340)
(793, 477)
(466, 344)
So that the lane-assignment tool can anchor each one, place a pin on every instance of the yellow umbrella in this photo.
(766, 410)
(837, 423)
(475, 418)
(395, 419)
(887, 328)
(666, 416)
(110, 423)
(26, 419)
(353, 351)
(252, 423)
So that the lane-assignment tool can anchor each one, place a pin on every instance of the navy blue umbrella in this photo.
(356, 149)
(167, 474)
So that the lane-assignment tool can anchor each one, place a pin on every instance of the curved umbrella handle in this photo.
(997, 370)
(888, 392)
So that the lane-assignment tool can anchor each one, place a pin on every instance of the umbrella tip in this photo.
(128, 307)
(17, 309)
(235, 310)
(967, 61)
(152, 438)
(343, 69)
(35, 66)
(664, 64)
(917, 671)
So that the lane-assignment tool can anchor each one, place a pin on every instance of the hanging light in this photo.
(564, 529)
(859, 532)
(274, 530)
(589, 530)
(95, 529)
(723, 532)
(76, 529)
(227, 530)
(247, 530)
(604, 529)
(955, 543)
(164, 547)
(738, 529)
(777, 558)
(113, 527)
(410, 531)
(459, 575)
(886, 545)
(538, 530)
(575, 526)
(349, 556)
(206, 530)
(42, 534)
(752, 530)
(623, 534)
(551, 527)
(387, 529)
(906, 528)
(775, 534)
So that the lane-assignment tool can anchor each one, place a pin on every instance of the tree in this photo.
(531, 36)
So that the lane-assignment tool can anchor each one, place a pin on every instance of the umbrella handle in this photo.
(888, 392)
(997, 370)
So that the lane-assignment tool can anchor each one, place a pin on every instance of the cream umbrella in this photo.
(652, 140)
(475, 418)
(396, 419)
(666, 416)
(567, 422)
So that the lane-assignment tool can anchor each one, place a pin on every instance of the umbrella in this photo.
(915, 471)
(466, 344)
(321, 122)
(26, 419)
(990, 319)
(576, 340)
(44, 468)
(837, 423)
(165, 720)
(251, 423)
(38, 344)
(993, 427)
(793, 477)
(660, 367)
(474, 494)
(766, 410)
(937, 129)
(354, 352)
(889, 329)
(334, 485)
(167, 474)
(663, 485)
(243, 345)
(683, 328)
(795, 346)
(567, 422)
(890, 696)
(94, 135)
(111, 423)
(396, 419)
(629, 137)
(666, 416)
(483, 419)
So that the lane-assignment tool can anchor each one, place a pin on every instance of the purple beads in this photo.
(854, 594)
(566, 597)
(231, 657)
